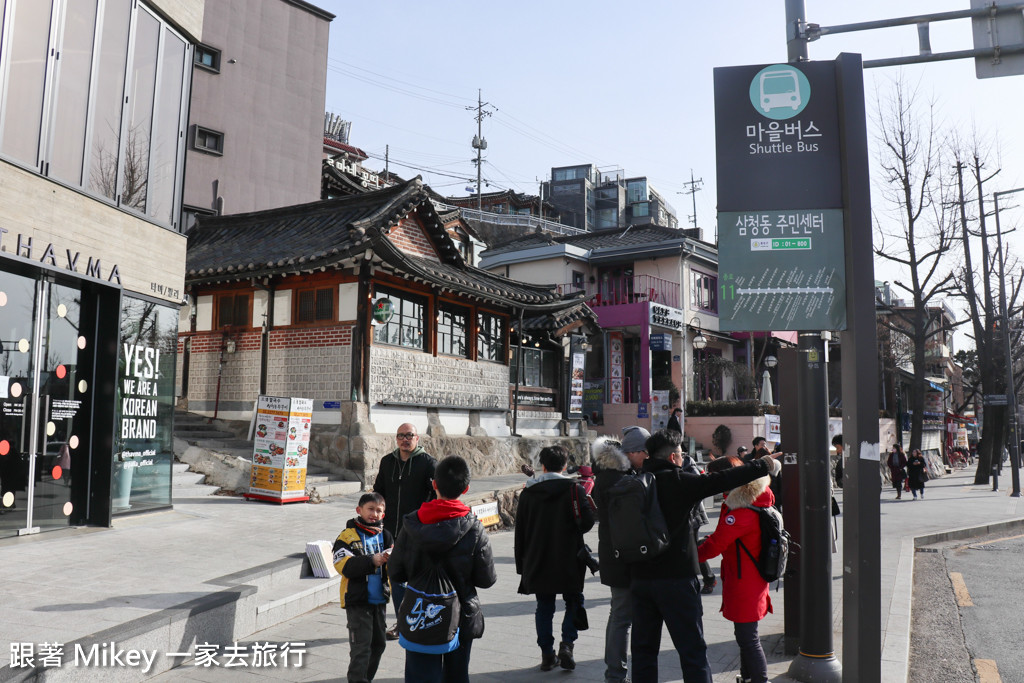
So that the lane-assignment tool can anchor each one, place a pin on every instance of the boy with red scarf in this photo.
(360, 556)
(446, 530)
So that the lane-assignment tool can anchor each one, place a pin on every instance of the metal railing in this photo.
(614, 291)
(525, 220)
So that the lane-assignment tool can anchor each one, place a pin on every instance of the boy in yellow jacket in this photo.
(361, 554)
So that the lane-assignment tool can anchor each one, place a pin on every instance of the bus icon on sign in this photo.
(779, 89)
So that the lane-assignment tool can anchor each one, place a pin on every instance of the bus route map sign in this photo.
(780, 220)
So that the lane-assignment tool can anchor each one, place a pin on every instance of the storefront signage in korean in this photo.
(667, 316)
(576, 384)
(661, 342)
(281, 449)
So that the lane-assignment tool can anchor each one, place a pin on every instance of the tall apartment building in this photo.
(590, 199)
(93, 103)
(256, 123)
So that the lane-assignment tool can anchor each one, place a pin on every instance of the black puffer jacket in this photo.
(678, 493)
(548, 538)
(465, 550)
(404, 485)
(611, 465)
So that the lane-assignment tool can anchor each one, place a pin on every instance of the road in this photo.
(967, 611)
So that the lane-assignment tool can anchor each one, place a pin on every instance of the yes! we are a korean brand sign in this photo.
(780, 198)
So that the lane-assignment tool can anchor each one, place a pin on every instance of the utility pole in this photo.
(387, 163)
(692, 188)
(479, 144)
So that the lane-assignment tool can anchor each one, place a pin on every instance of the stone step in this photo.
(185, 479)
(197, 491)
(338, 488)
(192, 433)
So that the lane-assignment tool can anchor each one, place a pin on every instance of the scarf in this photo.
(439, 510)
(369, 529)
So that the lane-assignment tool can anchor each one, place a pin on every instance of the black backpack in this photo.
(775, 542)
(428, 618)
(636, 524)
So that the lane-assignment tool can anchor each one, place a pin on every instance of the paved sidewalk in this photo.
(63, 586)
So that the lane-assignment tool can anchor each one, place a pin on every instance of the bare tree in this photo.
(918, 231)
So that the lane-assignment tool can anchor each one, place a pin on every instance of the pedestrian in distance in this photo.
(552, 517)
(445, 531)
(743, 453)
(745, 597)
(360, 555)
(760, 445)
(917, 472)
(404, 479)
(665, 589)
(837, 472)
(675, 422)
(613, 461)
(897, 462)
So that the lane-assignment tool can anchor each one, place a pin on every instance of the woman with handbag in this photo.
(897, 468)
(917, 472)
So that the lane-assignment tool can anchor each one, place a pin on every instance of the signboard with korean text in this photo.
(660, 409)
(780, 221)
(615, 367)
(661, 342)
(576, 383)
(281, 449)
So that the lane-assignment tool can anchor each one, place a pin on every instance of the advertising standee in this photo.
(281, 449)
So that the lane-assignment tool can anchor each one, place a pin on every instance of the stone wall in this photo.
(356, 447)
(404, 377)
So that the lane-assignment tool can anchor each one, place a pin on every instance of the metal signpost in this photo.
(782, 235)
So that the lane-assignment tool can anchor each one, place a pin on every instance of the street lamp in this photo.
(1011, 399)
(700, 342)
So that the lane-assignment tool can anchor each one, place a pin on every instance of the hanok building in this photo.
(285, 302)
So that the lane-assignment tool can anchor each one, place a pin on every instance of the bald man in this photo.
(405, 479)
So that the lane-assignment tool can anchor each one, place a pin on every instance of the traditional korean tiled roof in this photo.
(337, 232)
(342, 147)
(576, 317)
(637, 235)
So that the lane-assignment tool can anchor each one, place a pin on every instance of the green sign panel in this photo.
(781, 270)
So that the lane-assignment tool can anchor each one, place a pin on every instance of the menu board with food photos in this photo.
(280, 449)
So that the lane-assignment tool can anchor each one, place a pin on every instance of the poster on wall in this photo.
(143, 452)
(615, 366)
(280, 449)
(576, 384)
(772, 428)
(660, 409)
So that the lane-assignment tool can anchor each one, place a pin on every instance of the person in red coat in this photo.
(745, 598)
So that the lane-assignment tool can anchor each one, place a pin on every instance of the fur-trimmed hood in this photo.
(745, 496)
(607, 455)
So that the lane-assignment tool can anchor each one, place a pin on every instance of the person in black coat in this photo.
(665, 589)
(675, 423)
(549, 537)
(404, 479)
(446, 530)
(613, 461)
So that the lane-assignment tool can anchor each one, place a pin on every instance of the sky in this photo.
(621, 85)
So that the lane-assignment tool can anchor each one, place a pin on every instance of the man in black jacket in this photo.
(614, 461)
(552, 517)
(665, 589)
(404, 479)
(445, 530)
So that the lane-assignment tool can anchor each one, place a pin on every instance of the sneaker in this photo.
(392, 633)
(565, 659)
(548, 660)
(709, 587)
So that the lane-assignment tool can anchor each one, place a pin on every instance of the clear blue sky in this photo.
(622, 85)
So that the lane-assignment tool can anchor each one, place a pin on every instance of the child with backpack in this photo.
(360, 555)
(442, 538)
(737, 538)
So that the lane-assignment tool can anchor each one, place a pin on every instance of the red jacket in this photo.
(745, 596)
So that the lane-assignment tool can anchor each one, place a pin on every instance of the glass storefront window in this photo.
(406, 326)
(143, 442)
(97, 117)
